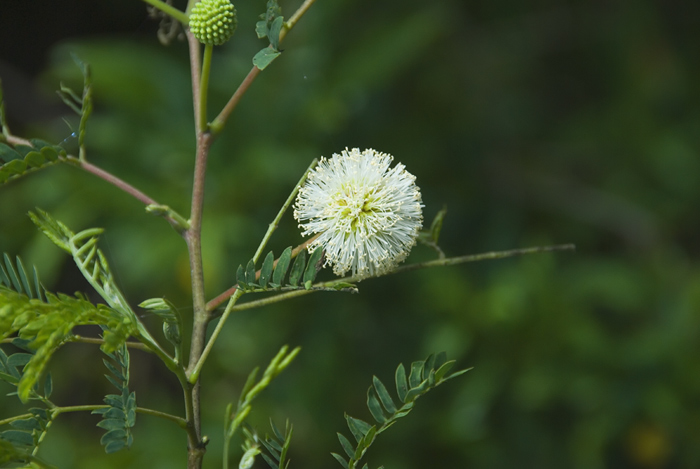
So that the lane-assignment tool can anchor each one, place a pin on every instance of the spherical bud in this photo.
(213, 21)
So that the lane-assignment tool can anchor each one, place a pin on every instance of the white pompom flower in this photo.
(368, 215)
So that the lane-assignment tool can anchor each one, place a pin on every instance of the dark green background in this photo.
(534, 122)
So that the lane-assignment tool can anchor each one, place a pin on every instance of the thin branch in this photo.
(18, 141)
(96, 341)
(169, 215)
(195, 72)
(275, 223)
(288, 25)
(460, 260)
(175, 220)
(142, 410)
(271, 300)
(218, 124)
(169, 10)
(204, 87)
(194, 374)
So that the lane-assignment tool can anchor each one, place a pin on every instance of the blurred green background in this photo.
(533, 122)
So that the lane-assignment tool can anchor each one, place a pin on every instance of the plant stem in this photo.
(194, 374)
(218, 123)
(56, 411)
(204, 87)
(96, 341)
(288, 25)
(195, 73)
(193, 237)
(169, 10)
(460, 260)
(124, 186)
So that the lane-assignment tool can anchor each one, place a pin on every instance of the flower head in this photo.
(213, 21)
(367, 214)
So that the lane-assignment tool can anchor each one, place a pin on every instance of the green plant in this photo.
(365, 217)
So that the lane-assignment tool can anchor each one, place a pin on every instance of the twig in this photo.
(218, 123)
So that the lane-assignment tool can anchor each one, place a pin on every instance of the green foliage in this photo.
(48, 324)
(27, 431)
(252, 388)
(16, 278)
(82, 105)
(22, 159)
(276, 445)
(89, 259)
(272, 274)
(424, 376)
(269, 26)
(45, 321)
(120, 416)
(172, 321)
(10, 454)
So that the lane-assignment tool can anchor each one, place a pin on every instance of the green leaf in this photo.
(7, 153)
(240, 278)
(23, 278)
(428, 365)
(9, 378)
(436, 225)
(414, 392)
(17, 437)
(401, 384)
(120, 416)
(365, 442)
(274, 33)
(48, 386)
(265, 57)
(250, 273)
(340, 459)
(444, 368)
(113, 446)
(26, 424)
(112, 424)
(384, 395)
(112, 413)
(347, 446)
(282, 266)
(297, 269)
(374, 406)
(12, 274)
(34, 159)
(266, 269)
(440, 359)
(415, 377)
(315, 264)
(357, 427)
(50, 153)
(455, 374)
(250, 382)
(19, 359)
(276, 432)
(261, 29)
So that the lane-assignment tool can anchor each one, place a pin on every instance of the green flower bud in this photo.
(213, 21)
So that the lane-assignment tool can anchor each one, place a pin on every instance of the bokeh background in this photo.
(533, 122)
